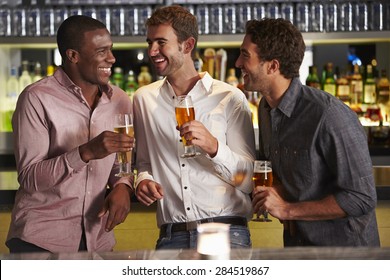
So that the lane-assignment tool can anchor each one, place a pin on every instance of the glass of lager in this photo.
(123, 123)
(185, 112)
(262, 176)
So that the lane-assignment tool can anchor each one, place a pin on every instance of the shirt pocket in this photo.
(296, 169)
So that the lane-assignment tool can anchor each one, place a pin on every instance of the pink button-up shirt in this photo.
(58, 191)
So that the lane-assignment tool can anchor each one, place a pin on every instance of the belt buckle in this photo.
(192, 225)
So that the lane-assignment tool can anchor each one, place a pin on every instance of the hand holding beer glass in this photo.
(123, 123)
(185, 112)
(262, 176)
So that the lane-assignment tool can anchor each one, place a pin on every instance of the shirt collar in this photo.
(290, 97)
(206, 81)
(66, 82)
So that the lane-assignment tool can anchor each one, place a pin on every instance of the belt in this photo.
(187, 226)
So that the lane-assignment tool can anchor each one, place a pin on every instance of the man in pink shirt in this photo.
(65, 149)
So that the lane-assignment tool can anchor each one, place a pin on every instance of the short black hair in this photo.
(70, 34)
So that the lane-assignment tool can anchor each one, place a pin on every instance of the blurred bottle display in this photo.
(369, 89)
(25, 78)
(330, 83)
(356, 87)
(144, 77)
(312, 79)
(342, 87)
(9, 101)
(383, 95)
(117, 77)
(37, 72)
(50, 70)
(383, 88)
(198, 62)
(232, 78)
(220, 64)
(209, 61)
(131, 84)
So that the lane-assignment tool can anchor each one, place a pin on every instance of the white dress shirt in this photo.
(201, 187)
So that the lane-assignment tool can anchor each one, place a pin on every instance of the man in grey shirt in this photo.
(325, 191)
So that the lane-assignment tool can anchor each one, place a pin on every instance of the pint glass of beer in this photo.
(123, 123)
(262, 176)
(185, 112)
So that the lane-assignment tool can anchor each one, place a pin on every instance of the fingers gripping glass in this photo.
(262, 176)
(123, 123)
(185, 112)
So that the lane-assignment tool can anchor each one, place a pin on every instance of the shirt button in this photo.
(185, 187)
(183, 165)
(188, 208)
(90, 169)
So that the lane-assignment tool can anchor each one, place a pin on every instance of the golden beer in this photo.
(125, 157)
(262, 173)
(184, 115)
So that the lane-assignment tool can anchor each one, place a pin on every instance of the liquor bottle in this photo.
(131, 84)
(369, 89)
(50, 70)
(144, 78)
(117, 78)
(312, 79)
(342, 88)
(25, 78)
(356, 86)
(9, 102)
(383, 88)
(330, 83)
(37, 72)
(232, 78)
(383, 95)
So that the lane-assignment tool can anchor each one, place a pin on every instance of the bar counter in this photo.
(293, 253)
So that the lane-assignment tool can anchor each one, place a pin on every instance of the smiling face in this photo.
(254, 70)
(164, 50)
(95, 57)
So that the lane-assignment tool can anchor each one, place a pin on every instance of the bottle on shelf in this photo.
(25, 78)
(144, 78)
(369, 88)
(131, 84)
(330, 82)
(117, 78)
(232, 78)
(37, 72)
(50, 70)
(356, 87)
(9, 101)
(383, 88)
(383, 95)
(342, 87)
(312, 79)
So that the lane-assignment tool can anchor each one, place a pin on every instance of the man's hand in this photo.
(148, 192)
(197, 134)
(117, 204)
(104, 144)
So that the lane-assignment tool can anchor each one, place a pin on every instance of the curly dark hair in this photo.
(278, 39)
(183, 22)
(70, 34)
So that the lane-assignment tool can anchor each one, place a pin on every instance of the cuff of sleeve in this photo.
(128, 181)
(74, 160)
(142, 176)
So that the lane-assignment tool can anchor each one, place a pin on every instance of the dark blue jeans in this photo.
(239, 238)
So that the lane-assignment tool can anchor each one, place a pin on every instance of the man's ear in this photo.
(72, 55)
(189, 45)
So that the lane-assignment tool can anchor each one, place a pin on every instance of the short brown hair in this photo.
(278, 39)
(183, 22)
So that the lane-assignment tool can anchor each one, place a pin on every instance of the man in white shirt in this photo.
(191, 191)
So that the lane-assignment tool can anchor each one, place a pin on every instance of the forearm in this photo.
(324, 209)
